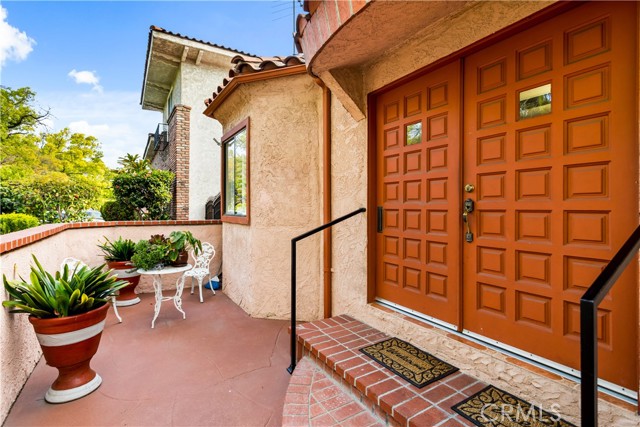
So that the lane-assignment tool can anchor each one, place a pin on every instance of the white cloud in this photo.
(116, 119)
(14, 44)
(86, 77)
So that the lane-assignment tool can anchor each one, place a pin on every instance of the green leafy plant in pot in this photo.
(151, 254)
(179, 243)
(118, 254)
(68, 311)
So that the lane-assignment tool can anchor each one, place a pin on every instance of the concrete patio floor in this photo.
(218, 367)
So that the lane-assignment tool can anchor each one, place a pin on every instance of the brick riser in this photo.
(333, 344)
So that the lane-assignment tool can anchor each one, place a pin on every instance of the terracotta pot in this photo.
(122, 270)
(183, 258)
(68, 344)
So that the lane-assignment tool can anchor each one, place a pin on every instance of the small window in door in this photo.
(535, 102)
(414, 133)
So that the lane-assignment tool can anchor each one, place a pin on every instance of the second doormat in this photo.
(492, 407)
(409, 362)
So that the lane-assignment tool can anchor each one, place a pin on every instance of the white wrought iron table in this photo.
(157, 287)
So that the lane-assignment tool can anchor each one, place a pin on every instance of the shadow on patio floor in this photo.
(217, 367)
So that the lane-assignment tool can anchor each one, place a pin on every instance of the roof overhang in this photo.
(165, 54)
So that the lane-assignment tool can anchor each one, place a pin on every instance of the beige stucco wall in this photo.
(285, 198)
(350, 181)
(204, 153)
(19, 349)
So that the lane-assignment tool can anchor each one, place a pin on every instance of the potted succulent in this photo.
(179, 243)
(67, 311)
(118, 255)
(151, 254)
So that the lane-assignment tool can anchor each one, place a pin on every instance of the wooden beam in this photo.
(184, 53)
(199, 57)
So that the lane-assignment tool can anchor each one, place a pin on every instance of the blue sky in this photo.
(85, 60)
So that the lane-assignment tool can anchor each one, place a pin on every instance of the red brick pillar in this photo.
(179, 125)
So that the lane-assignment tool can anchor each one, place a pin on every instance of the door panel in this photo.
(418, 152)
(550, 145)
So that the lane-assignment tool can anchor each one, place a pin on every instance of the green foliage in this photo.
(182, 241)
(18, 114)
(15, 222)
(47, 174)
(53, 197)
(114, 211)
(148, 255)
(133, 164)
(147, 194)
(118, 250)
(67, 293)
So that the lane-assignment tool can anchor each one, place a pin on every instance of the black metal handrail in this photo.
(295, 240)
(588, 327)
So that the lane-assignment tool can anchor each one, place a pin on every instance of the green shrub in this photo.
(16, 222)
(147, 194)
(148, 255)
(114, 211)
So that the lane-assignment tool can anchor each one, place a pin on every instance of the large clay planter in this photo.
(68, 344)
(122, 270)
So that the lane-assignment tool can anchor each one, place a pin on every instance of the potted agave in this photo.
(68, 312)
(118, 256)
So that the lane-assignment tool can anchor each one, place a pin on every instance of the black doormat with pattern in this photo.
(492, 407)
(409, 362)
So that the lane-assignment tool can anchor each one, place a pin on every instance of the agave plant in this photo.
(118, 250)
(68, 293)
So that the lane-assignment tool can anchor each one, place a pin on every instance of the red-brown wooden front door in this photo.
(549, 144)
(418, 146)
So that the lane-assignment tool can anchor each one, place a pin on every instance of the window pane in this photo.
(535, 102)
(414, 134)
(229, 177)
(240, 181)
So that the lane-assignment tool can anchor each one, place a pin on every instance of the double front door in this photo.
(507, 179)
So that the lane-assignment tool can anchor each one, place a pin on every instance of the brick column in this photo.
(179, 125)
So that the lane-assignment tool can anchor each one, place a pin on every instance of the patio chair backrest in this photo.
(72, 263)
(204, 258)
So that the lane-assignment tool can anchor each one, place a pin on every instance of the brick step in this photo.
(315, 399)
(333, 345)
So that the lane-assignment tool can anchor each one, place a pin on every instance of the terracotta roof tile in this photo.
(243, 64)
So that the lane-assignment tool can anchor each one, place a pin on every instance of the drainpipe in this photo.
(326, 193)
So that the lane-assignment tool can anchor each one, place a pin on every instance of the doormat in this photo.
(492, 407)
(409, 362)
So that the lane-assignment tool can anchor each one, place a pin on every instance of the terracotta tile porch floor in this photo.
(218, 367)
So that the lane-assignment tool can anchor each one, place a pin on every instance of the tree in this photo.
(18, 114)
(54, 176)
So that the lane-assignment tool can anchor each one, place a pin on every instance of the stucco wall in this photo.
(204, 168)
(19, 349)
(285, 198)
(350, 181)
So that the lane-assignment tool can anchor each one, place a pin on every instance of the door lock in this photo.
(469, 188)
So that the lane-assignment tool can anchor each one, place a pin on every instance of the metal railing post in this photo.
(294, 241)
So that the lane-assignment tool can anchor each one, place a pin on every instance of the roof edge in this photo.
(249, 78)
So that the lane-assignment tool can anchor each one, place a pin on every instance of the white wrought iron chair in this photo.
(201, 267)
(74, 263)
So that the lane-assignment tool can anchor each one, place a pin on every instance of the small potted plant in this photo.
(179, 243)
(67, 310)
(151, 254)
(118, 255)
